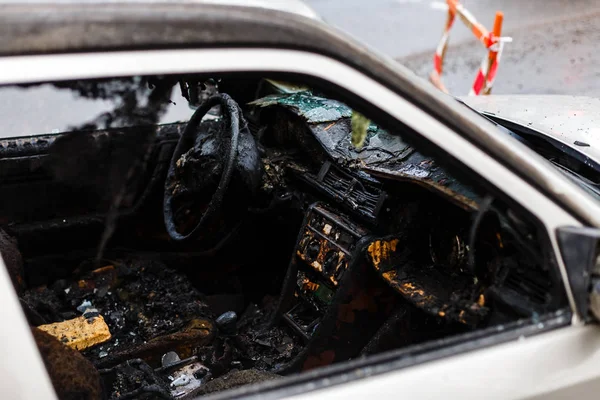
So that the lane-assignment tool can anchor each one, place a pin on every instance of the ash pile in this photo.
(149, 333)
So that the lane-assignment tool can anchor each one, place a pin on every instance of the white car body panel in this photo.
(564, 361)
(562, 358)
(22, 370)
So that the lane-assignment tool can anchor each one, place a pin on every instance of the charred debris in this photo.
(251, 242)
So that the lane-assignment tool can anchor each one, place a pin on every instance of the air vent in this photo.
(353, 192)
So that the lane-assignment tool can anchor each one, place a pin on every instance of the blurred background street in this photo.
(553, 50)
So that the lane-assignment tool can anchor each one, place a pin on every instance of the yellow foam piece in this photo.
(80, 333)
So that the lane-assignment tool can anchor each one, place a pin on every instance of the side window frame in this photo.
(368, 91)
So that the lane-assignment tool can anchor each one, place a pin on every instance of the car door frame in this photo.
(387, 101)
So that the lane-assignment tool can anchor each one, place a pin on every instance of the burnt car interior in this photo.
(271, 231)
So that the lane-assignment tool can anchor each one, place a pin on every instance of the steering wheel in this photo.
(226, 164)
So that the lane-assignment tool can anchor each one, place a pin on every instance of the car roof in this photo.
(297, 7)
(58, 26)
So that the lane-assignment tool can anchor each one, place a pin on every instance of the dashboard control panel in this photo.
(322, 254)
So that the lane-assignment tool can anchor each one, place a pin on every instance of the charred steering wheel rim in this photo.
(231, 112)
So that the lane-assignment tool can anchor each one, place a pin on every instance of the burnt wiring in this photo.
(156, 388)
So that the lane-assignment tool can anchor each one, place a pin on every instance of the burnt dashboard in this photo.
(321, 256)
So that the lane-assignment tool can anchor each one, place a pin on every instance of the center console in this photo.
(332, 298)
(321, 258)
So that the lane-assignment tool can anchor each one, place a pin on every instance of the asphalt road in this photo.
(552, 50)
(400, 28)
